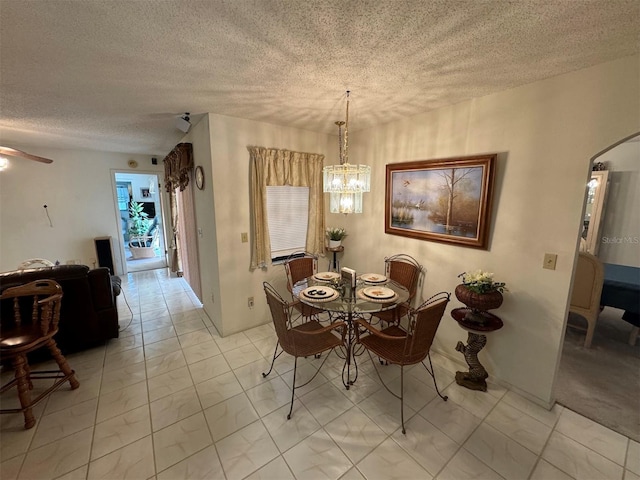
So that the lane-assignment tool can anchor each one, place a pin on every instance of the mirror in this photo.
(596, 197)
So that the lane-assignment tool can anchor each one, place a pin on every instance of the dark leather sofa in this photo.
(88, 315)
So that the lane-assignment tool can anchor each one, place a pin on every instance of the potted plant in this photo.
(335, 236)
(138, 228)
(479, 292)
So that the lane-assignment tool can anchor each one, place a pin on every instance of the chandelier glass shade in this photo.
(345, 182)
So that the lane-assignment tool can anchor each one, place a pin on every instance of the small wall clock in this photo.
(199, 174)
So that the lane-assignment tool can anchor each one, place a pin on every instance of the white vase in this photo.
(334, 243)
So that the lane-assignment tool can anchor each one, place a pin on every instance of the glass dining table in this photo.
(328, 292)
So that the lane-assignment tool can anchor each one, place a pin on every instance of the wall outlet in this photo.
(549, 261)
(250, 302)
(244, 237)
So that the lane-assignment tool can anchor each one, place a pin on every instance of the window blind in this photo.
(288, 217)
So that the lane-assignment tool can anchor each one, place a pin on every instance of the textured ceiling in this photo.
(113, 75)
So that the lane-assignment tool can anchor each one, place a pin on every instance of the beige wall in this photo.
(78, 189)
(199, 136)
(229, 139)
(545, 135)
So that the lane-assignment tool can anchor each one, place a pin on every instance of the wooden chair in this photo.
(406, 271)
(298, 267)
(406, 347)
(306, 339)
(587, 289)
(36, 313)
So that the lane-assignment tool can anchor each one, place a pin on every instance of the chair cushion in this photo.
(15, 338)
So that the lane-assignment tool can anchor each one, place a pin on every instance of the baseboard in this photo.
(503, 383)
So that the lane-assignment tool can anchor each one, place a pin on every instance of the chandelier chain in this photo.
(346, 133)
(341, 157)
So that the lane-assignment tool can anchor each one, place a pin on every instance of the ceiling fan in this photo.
(12, 152)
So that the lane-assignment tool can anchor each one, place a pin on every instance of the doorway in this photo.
(601, 382)
(141, 221)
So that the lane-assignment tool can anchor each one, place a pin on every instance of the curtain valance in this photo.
(177, 166)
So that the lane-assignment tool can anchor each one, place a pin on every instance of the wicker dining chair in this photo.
(406, 271)
(304, 340)
(298, 267)
(30, 316)
(403, 347)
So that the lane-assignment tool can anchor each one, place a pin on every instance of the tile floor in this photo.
(171, 399)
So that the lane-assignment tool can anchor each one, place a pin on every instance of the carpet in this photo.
(602, 383)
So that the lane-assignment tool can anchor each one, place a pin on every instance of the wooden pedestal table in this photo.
(475, 378)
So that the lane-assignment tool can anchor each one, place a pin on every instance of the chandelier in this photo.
(346, 182)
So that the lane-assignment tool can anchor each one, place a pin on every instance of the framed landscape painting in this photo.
(445, 201)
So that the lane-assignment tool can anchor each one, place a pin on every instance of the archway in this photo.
(601, 382)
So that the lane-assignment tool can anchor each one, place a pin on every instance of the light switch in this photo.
(550, 261)
(244, 237)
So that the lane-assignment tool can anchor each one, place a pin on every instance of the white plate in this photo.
(378, 293)
(360, 294)
(373, 278)
(319, 293)
(326, 276)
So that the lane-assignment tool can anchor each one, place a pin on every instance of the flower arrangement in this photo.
(335, 233)
(482, 282)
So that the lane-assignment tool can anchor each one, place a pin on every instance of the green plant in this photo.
(482, 282)
(335, 233)
(139, 222)
(402, 216)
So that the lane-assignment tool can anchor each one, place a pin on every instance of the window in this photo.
(288, 218)
(270, 167)
(123, 197)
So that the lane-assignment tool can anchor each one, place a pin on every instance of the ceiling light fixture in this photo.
(4, 163)
(346, 182)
